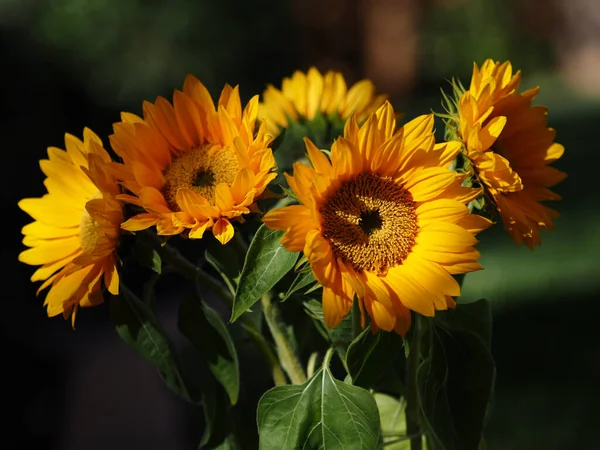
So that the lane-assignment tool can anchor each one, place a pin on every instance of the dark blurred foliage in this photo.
(67, 64)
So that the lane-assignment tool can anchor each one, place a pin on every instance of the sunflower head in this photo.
(384, 218)
(508, 147)
(316, 104)
(76, 228)
(191, 166)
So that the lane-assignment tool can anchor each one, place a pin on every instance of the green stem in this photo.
(278, 376)
(202, 279)
(288, 358)
(327, 358)
(413, 422)
(310, 366)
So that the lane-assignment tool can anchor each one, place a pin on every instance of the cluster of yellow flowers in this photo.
(382, 214)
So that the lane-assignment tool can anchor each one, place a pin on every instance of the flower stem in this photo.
(278, 376)
(327, 358)
(413, 422)
(202, 279)
(288, 358)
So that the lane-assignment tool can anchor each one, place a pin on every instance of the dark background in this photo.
(66, 64)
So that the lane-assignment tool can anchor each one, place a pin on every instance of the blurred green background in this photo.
(67, 64)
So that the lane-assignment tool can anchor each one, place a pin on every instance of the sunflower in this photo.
(306, 95)
(193, 167)
(384, 218)
(76, 227)
(510, 147)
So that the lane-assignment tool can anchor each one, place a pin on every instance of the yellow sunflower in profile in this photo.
(76, 228)
(383, 218)
(510, 147)
(191, 166)
(305, 95)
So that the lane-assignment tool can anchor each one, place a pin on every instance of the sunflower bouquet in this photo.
(321, 242)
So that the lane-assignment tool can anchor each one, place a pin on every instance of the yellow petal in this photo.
(431, 276)
(189, 201)
(140, 222)
(111, 280)
(445, 210)
(335, 307)
(410, 292)
(51, 213)
(198, 231)
(242, 185)
(381, 315)
(474, 223)
(428, 183)
(50, 251)
(317, 158)
(443, 236)
(286, 217)
(223, 197)
(43, 231)
(223, 230)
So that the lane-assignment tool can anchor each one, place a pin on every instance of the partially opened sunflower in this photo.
(192, 166)
(510, 146)
(305, 95)
(384, 219)
(76, 229)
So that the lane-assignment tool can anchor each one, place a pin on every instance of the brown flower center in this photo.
(200, 169)
(370, 222)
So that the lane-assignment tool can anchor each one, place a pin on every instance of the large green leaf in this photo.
(456, 379)
(266, 263)
(136, 324)
(370, 355)
(205, 329)
(322, 413)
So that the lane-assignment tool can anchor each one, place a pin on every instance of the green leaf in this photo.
(370, 355)
(226, 261)
(475, 317)
(266, 263)
(339, 336)
(304, 278)
(321, 413)
(205, 329)
(217, 427)
(393, 422)
(138, 327)
(456, 379)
